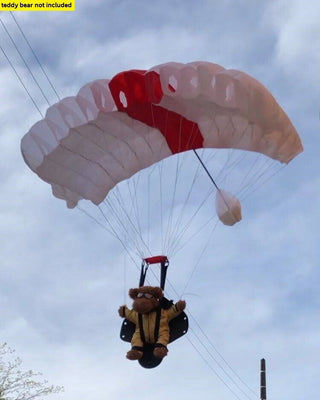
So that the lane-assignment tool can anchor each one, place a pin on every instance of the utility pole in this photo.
(263, 388)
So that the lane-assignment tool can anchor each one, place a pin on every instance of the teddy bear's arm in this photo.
(176, 309)
(130, 315)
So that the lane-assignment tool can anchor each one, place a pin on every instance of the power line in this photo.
(24, 61)
(213, 370)
(35, 56)
(20, 80)
(207, 350)
(224, 360)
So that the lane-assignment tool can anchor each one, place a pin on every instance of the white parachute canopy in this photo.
(113, 129)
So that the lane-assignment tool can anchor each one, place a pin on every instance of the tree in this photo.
(18, 385)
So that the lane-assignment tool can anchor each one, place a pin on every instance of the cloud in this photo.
(297, 49)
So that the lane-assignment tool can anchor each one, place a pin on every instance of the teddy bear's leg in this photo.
(160, 350)
(135, 353)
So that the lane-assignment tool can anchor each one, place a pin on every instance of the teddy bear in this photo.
(151, 320)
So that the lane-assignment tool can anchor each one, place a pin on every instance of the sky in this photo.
(252, 290)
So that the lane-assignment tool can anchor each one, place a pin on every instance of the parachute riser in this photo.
(143, 273)
(164, 264)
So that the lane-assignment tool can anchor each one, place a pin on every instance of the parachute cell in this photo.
(112, 129)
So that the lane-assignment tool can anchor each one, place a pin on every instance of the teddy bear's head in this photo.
(145, 298)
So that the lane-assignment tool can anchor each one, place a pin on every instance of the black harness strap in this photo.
(142, 336)
(157, 324)
(156, 327)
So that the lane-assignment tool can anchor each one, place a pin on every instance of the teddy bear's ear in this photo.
(157, 292)
(133, 293)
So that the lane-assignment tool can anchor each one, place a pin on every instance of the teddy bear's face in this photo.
(145, 298)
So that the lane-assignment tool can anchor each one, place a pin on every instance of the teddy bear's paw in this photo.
(134, 354)
(121, 311)
(180, 305)
(160, 351)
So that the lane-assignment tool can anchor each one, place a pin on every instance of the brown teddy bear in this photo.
(150, 319)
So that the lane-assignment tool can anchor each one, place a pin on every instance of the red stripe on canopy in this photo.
(137, 93)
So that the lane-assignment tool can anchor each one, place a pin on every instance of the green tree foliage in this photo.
(16, 384)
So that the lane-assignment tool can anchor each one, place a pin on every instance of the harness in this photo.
(178, 325)
(156, 327)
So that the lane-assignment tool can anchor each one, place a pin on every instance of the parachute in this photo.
(113, 129)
